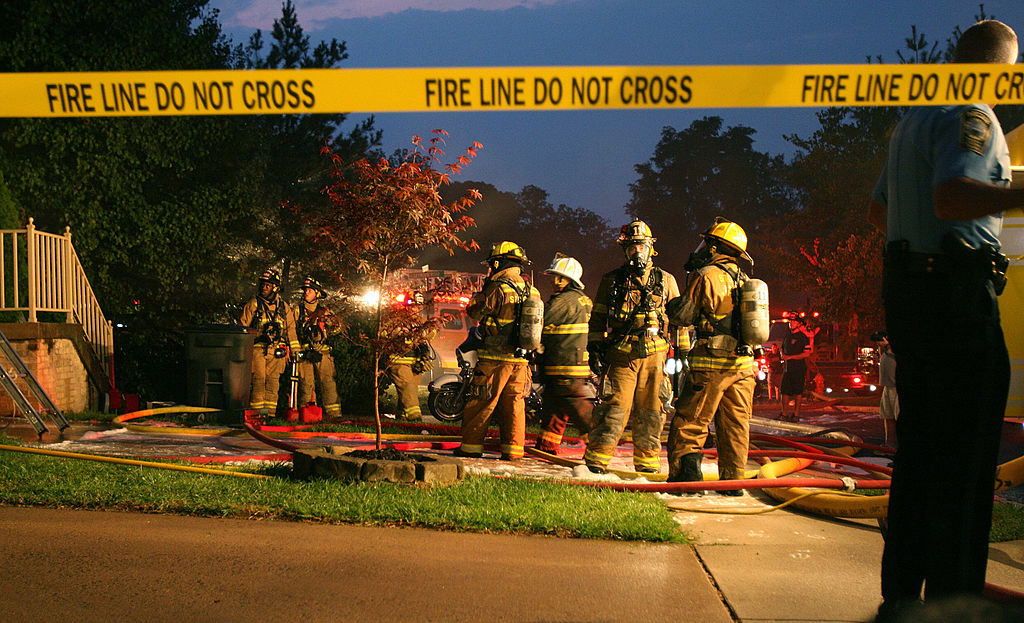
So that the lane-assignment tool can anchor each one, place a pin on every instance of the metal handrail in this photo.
(41, 272)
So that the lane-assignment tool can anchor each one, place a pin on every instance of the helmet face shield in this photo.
(699, 258)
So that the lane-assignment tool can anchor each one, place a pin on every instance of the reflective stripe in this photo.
(659, 346)
(550, 438)
(508, 358)
(647, 461)
(567, 370)
(405, 360)
(472, 448)
(567, 329)
(514, 451)
(412, 411)
(333, 409)
(594, 457)
(715, 364)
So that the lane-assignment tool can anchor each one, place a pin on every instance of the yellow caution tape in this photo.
(449, 89)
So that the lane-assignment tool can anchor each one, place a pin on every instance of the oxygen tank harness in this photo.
(529, 322)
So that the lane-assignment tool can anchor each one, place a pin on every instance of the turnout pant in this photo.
(319, 377)
(565, 400)
(629, 385)
(498, 388)
(723, 396)
(407, 385)
(266, 379)
(952, 376)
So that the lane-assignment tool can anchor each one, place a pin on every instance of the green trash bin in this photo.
(219, 370)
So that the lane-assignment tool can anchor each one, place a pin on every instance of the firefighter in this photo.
(267, 315)
(565, 357)
(630, 307)
(313, 322)
(502, 376)
(406, 372)
(720, 383)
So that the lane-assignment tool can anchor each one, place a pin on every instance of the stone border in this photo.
(335, 464)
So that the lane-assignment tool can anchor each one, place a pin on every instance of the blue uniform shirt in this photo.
(930, 146)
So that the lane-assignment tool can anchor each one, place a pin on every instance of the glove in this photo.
(596, 359)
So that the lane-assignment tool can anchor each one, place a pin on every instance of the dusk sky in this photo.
(586, 159)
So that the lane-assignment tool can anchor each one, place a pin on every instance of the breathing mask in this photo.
(638, 255)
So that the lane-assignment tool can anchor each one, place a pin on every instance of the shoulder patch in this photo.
(975, 130)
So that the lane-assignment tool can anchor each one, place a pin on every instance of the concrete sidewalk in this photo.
(789, 566)
(82, 566)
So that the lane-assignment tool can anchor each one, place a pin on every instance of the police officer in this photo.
(502, 376)
(565, 357)
(627, 340)
(940, 201)
(721, 379)
(267, 315)
(313, 322)
(406, 372)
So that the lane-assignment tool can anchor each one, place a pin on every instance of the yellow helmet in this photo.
(568, 267)
(637, 231)
(506, 250)
(730, 235)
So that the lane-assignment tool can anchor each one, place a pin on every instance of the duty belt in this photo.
(961, 258)
(911, 262)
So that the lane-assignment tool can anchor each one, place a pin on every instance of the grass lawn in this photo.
(476, 504)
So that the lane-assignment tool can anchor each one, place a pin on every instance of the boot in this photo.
(729, 474)
(688, 470)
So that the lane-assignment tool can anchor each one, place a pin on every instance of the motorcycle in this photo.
(449, 393)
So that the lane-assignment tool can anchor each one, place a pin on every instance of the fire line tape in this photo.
(449, 89)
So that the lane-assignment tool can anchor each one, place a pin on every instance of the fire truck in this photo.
(446, 294)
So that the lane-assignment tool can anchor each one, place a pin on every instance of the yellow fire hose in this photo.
(120, 461)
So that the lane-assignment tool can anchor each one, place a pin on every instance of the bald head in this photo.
(989, 41)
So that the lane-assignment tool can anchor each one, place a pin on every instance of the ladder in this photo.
(18, 369)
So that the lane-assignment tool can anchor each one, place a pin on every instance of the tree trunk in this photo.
(376, 355)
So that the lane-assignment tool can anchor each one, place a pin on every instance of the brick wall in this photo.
(58, 367)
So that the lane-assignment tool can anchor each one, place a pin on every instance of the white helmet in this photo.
(565, 266)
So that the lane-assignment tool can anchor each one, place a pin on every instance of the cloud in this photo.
(313, 13)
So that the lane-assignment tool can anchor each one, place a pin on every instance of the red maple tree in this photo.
(383, 214)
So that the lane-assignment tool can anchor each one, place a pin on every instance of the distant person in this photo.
(267, 316)
(406, 371)
(313, 323)
(565, 359)
(889, 406)
(940, 201)
(795, 350)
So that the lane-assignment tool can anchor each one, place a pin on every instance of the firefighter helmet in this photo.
(636, 231)
(506, 250)
(273, 278)
(270, 276)
(313, 284)
(730, 235)
(568, 267)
